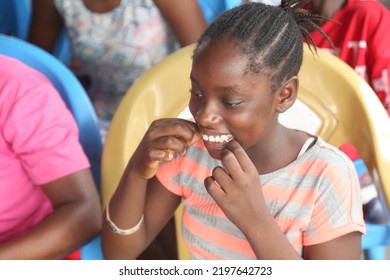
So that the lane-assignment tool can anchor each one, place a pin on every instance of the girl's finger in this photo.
(236, 160)
(171, 143)
(214, 189)
(160, 155)
(222, 178)
(182, 129)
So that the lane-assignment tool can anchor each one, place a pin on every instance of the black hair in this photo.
(270, 37)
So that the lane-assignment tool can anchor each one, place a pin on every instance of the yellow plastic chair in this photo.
(334, 102)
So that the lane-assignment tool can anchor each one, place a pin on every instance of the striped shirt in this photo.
(314, 199)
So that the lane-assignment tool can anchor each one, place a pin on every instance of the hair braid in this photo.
(270, 37)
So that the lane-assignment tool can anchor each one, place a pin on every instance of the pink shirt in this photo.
(38, 144)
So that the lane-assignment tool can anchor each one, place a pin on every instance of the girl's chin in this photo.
(215, 149)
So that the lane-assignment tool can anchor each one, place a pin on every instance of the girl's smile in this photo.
(221, 139)
(215, 143)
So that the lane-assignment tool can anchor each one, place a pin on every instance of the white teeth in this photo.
(218, 138)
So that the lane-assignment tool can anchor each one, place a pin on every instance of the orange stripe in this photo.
(320, 218)
(188, 166)
(197, 251)
(166, 173)
(217, 237)
(335, 176)
(287, 225)
(291, 195)
(310, 167)
(297, 243)
(205, 205)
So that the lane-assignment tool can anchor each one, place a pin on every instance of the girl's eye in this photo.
(232, 104)
(195, 93)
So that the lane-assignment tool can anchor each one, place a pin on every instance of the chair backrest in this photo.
(15, 17)
(333, 102)
(70, 89)
(163, 91)
(212, 9)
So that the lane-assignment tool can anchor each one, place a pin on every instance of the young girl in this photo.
(252, 189)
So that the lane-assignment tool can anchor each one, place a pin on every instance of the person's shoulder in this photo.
(328, 149)
(367, 8)
(333, 156)
(22, 83)
(12, 69)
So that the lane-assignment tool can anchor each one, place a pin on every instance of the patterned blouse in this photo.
(113, 49)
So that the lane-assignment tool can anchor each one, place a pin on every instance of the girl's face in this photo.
(229, 103)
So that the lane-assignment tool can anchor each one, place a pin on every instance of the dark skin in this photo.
(224, 100)
(75, 220)
(185, 19)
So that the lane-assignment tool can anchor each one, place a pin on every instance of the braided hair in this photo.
(270, 37)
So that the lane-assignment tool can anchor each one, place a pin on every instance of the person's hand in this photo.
(236, 188)
(163, 139)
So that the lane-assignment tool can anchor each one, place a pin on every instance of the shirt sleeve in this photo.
(169, 176)
(42, 132)
(338, 209)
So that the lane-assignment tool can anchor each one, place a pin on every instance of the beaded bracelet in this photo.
(118, 230)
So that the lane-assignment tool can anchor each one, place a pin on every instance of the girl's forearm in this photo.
(126, 208)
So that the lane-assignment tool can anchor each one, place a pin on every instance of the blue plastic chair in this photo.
(77, 101)
(212, 9)
(376, 240)
(15, 16)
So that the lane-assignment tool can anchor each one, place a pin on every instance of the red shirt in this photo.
(361, 35)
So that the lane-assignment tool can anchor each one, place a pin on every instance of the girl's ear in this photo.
(287, 94)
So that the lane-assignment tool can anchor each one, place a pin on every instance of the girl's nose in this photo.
(207, 115)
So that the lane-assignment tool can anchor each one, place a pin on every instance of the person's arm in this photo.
(76, 219)
(346, 247)
(46, 24)
(184, 17)
(43, 137)
(237, 190)
(140, 194)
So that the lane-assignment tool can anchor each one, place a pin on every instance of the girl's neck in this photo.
(326, 8)
(278, 153)
(101, 6)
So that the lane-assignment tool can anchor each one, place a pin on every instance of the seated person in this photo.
(359, 32)
(114, 42)
(251, 188)
(49, 205)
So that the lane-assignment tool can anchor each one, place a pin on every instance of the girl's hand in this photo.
(163, 139)
(237, 189)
